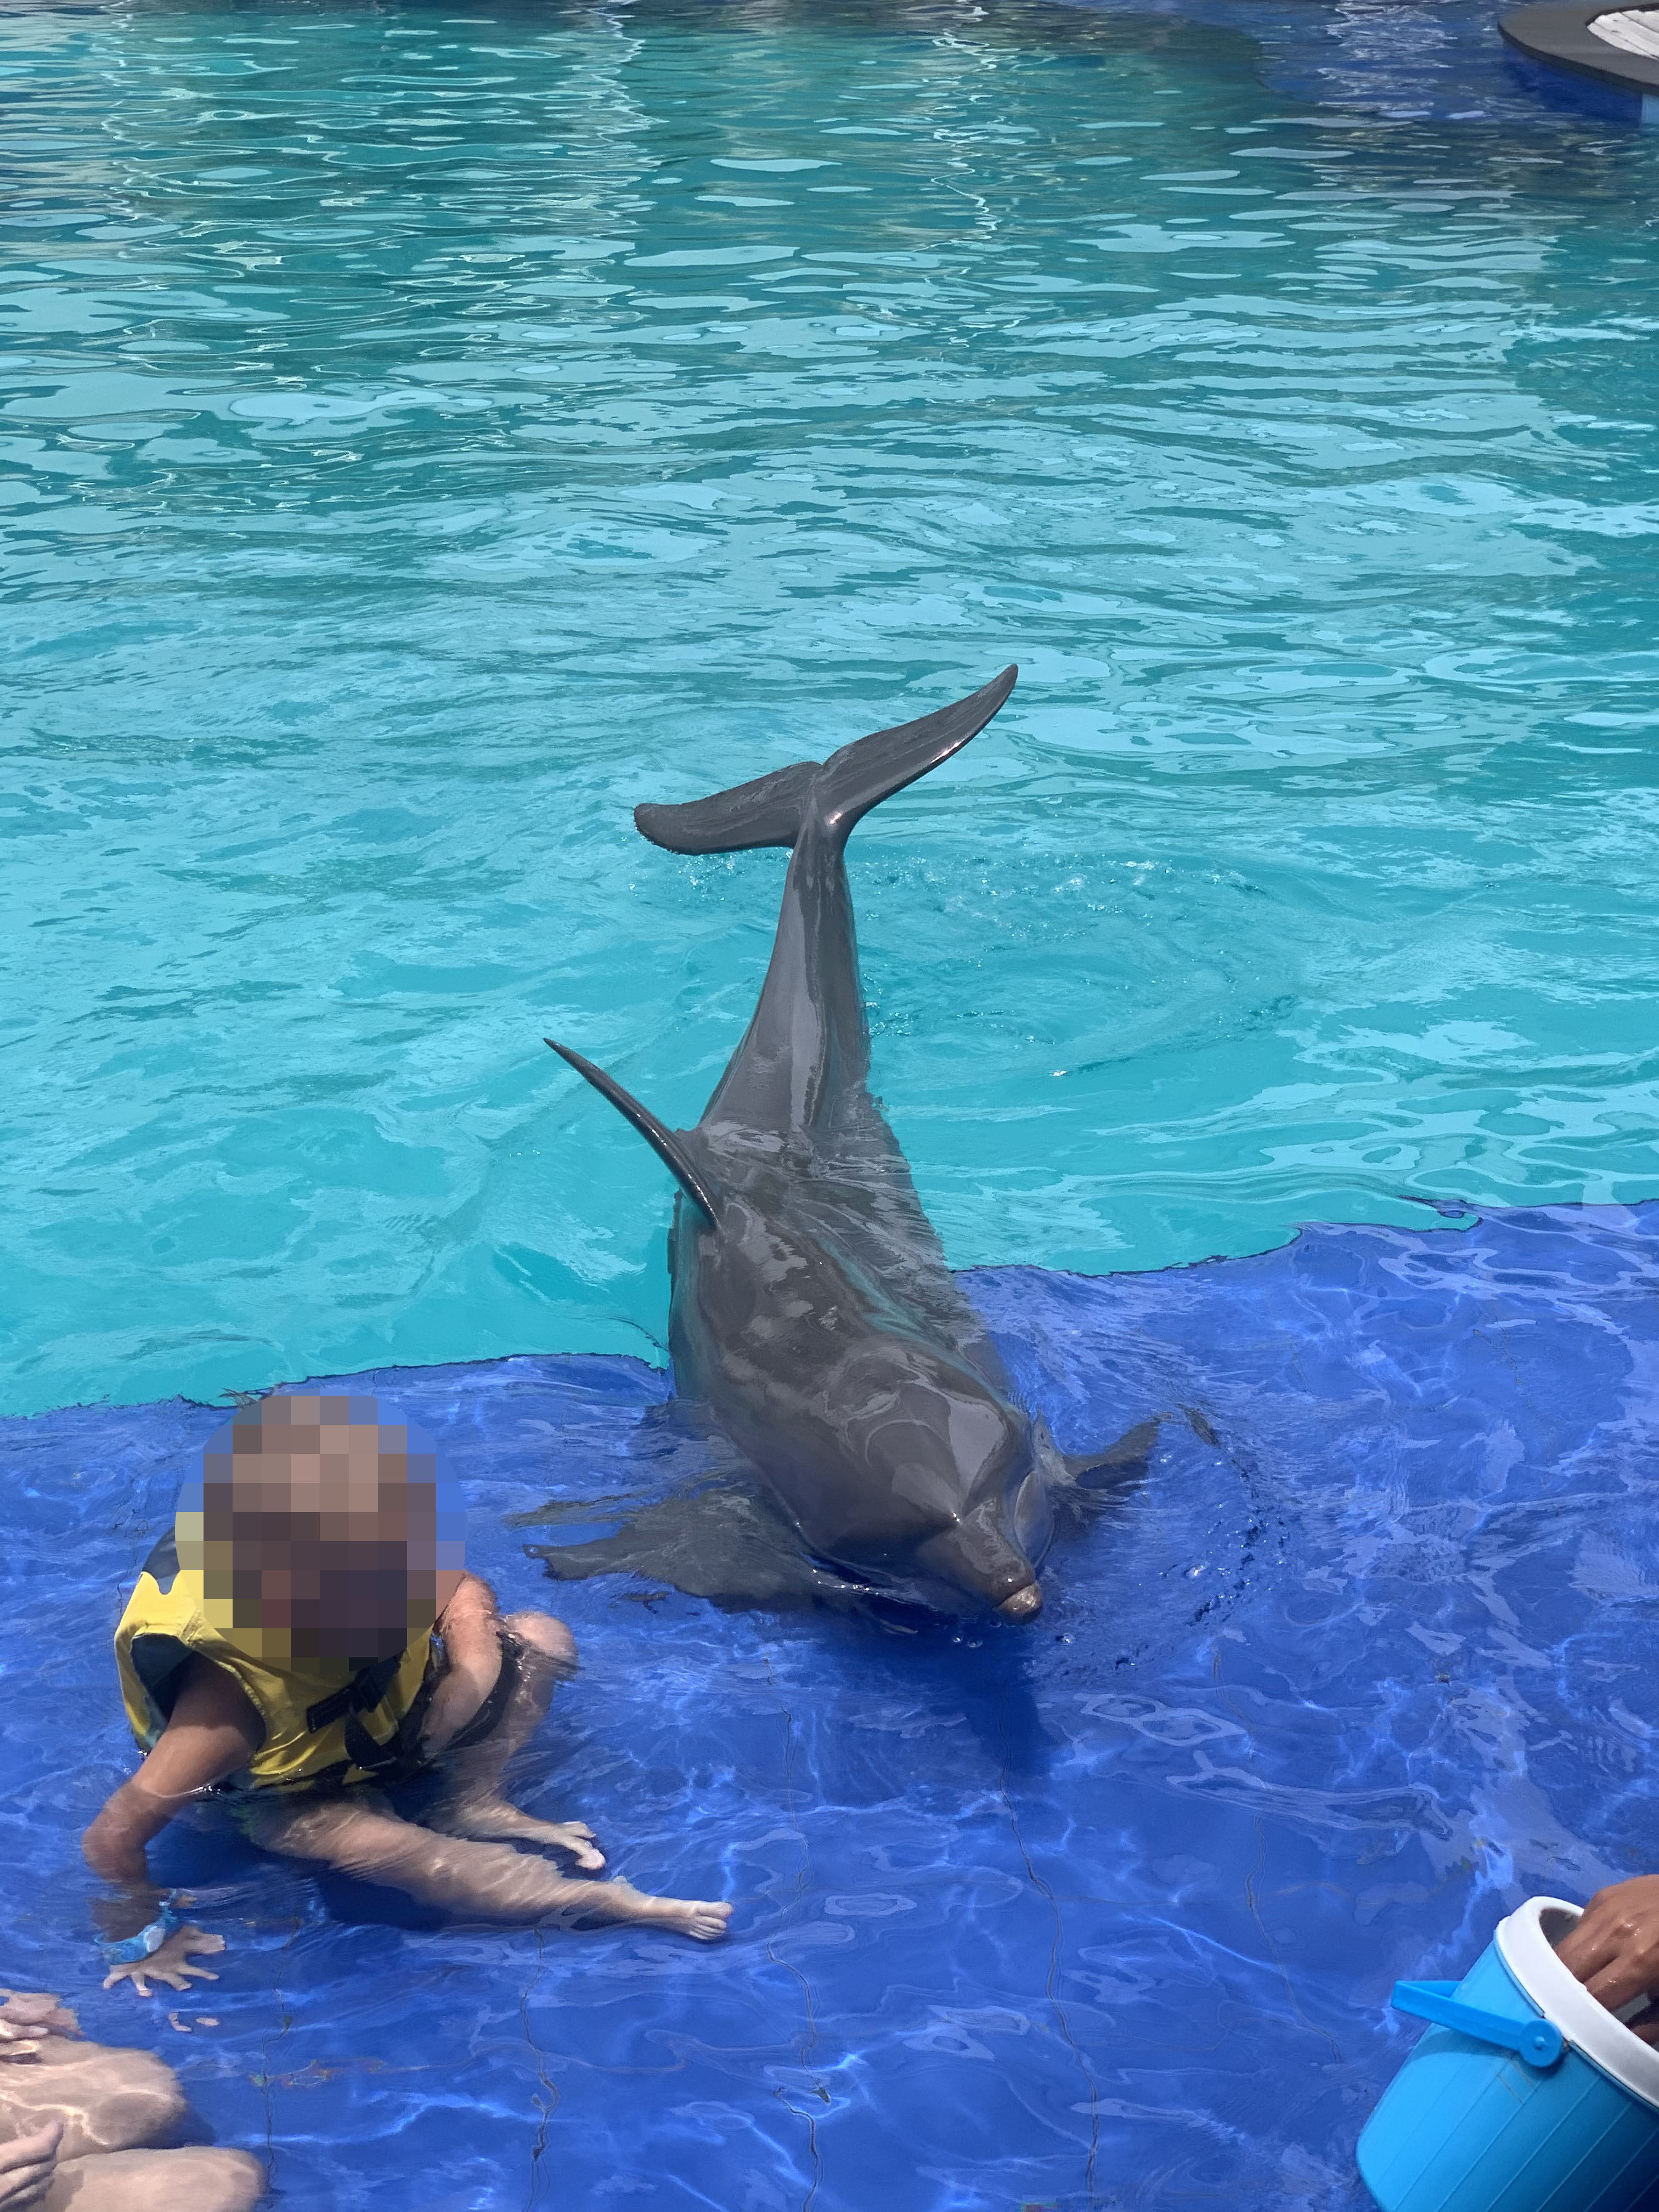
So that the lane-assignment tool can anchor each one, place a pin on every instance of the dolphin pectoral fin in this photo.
(670, 1148)
(768, 812)
(861, 775)
(1084, 1486)
(720, 1540)
(1125, 1459)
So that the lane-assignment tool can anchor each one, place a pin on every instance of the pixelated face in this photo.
(323, 1533)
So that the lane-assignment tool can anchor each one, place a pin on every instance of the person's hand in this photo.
(168, 1964)
(28, 2017)
(26, 2166)
(1614, 1949)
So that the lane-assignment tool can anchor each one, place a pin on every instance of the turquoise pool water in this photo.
(426, 433)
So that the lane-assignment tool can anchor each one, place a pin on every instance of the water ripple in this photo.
(420, 438)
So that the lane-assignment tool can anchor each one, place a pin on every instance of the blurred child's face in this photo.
(321, 1532)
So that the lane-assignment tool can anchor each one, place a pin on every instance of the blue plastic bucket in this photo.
(1527, 2095)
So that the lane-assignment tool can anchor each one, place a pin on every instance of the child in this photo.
(307, 1635)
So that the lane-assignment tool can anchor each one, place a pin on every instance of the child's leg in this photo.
(490, 1881)
(189, 2180)
(107, 2102)
(107, 2099)
(472, 1805)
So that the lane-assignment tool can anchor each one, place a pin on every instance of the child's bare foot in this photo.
(704, 1923)
(493, 1820)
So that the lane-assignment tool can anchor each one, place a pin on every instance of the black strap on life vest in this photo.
(367, 1689)
(373, 1758)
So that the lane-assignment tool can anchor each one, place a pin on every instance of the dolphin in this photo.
(813, 1314)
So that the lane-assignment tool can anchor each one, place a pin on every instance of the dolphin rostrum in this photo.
(813, 1313)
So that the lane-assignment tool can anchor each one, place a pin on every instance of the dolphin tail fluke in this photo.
(768, 812)
(774, 809)
(860, 776)
(670, 1148)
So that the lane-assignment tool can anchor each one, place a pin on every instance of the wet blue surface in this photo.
(1100, 1912)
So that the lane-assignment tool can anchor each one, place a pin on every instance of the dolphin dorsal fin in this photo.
(670, 1148)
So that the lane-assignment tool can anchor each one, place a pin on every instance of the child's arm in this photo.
(214, 1732)
(471, 1629)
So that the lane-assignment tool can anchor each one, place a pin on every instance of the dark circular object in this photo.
(1559, 35)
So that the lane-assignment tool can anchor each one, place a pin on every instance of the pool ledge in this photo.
(1557, 35)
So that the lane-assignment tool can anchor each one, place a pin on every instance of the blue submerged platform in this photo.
(1100, 1912)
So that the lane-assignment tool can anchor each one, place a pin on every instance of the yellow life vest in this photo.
(322, 1723)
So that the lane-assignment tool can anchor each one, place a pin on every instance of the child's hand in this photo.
(1615, 1948)
(167, 1964)
(26, 2166)
(28, 2017)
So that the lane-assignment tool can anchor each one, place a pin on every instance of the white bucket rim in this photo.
(1526, 1944)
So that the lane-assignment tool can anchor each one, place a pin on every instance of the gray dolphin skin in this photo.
(813, 1313)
